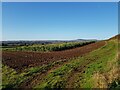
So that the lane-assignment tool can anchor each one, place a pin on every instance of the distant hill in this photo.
(20, 43)
(86, 40)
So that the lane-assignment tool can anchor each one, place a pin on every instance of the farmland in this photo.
(48, 47)
(70, 65)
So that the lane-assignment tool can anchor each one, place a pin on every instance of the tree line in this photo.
(51, 47)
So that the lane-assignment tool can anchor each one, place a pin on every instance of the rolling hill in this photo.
(95, 65)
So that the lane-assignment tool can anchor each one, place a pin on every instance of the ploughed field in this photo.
(21, 59)
(96, 65)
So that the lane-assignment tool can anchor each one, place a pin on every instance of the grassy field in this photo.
(97, 69)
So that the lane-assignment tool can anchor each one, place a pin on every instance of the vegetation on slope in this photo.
(13, 79)
(96, 61)
(98, 69)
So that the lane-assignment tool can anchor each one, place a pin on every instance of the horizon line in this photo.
(52, 39)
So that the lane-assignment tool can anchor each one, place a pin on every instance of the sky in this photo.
(59, 20)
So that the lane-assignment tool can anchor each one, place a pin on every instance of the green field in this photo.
(97, 69)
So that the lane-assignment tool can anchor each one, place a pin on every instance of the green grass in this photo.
(58, 78)
(107, 53)
(116, 83)
(12, 79)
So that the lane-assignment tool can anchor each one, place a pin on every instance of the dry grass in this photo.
(99, 80)
(103, 80)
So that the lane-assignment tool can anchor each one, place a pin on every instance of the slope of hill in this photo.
(98, 68)
(115, 37)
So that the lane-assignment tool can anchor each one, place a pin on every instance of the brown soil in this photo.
(20, 60)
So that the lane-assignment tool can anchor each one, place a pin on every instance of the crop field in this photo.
(28, 59)
(68, 65)
(48, 47)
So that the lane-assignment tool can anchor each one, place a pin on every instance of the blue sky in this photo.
(59, 21)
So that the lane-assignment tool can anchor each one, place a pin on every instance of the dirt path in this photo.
(20, 60)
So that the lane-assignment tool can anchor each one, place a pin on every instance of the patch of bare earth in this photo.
(19, 60)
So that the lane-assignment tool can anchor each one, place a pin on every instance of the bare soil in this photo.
(19, 60)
